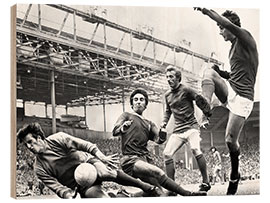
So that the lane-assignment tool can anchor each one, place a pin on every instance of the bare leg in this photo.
(144, 170)
(233, 130)
(214, 179)
(120, 177)
(174, 143)
(220, 176)
(213, 83)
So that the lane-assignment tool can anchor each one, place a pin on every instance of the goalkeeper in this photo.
(179, 102)
(135, 132)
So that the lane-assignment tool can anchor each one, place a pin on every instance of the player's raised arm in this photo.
(213, 15)
(224, 22)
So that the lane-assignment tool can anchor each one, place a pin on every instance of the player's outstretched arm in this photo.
(122, 123)
(214, 16)
(239, 32)
(111, 160)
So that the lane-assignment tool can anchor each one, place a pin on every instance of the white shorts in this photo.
(191, 136)
(217, 168)
(236, 104)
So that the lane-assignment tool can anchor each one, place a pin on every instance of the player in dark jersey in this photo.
(179, 103)
(58, 155)
(135, 132)
(234, 89)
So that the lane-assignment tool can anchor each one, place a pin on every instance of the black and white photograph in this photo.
(128, 101)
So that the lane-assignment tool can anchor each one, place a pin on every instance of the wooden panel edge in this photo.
(13, 99)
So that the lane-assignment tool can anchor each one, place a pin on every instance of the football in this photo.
(85, 174)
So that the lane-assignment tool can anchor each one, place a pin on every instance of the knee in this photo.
(228, 139)
(155, 172)
(232, 145)
(209, 73)
(104, 173)
(196, 151)
(167, 155)
(158, 173)
(144, 169)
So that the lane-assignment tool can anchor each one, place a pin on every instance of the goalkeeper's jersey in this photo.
(55, 167)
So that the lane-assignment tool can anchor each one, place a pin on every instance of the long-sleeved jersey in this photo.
(179, 102)
(135, 138)
(244, 64)
(243, 57)
(56, 166)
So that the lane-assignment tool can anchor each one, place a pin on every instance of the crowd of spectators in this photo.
(249, 162)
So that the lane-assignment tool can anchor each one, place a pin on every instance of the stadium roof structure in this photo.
(79, 69)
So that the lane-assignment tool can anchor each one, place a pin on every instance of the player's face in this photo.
(172, 80)
(139, 103)
(226, 34)
(34, 145)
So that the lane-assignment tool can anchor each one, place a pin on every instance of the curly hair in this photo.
(139, 91)
(33, 128)
(233, 17)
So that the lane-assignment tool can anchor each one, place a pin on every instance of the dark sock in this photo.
(170, 185)
(234, 164)
(127, 180)
(203, 168)
(208, 88)
(170, 170)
